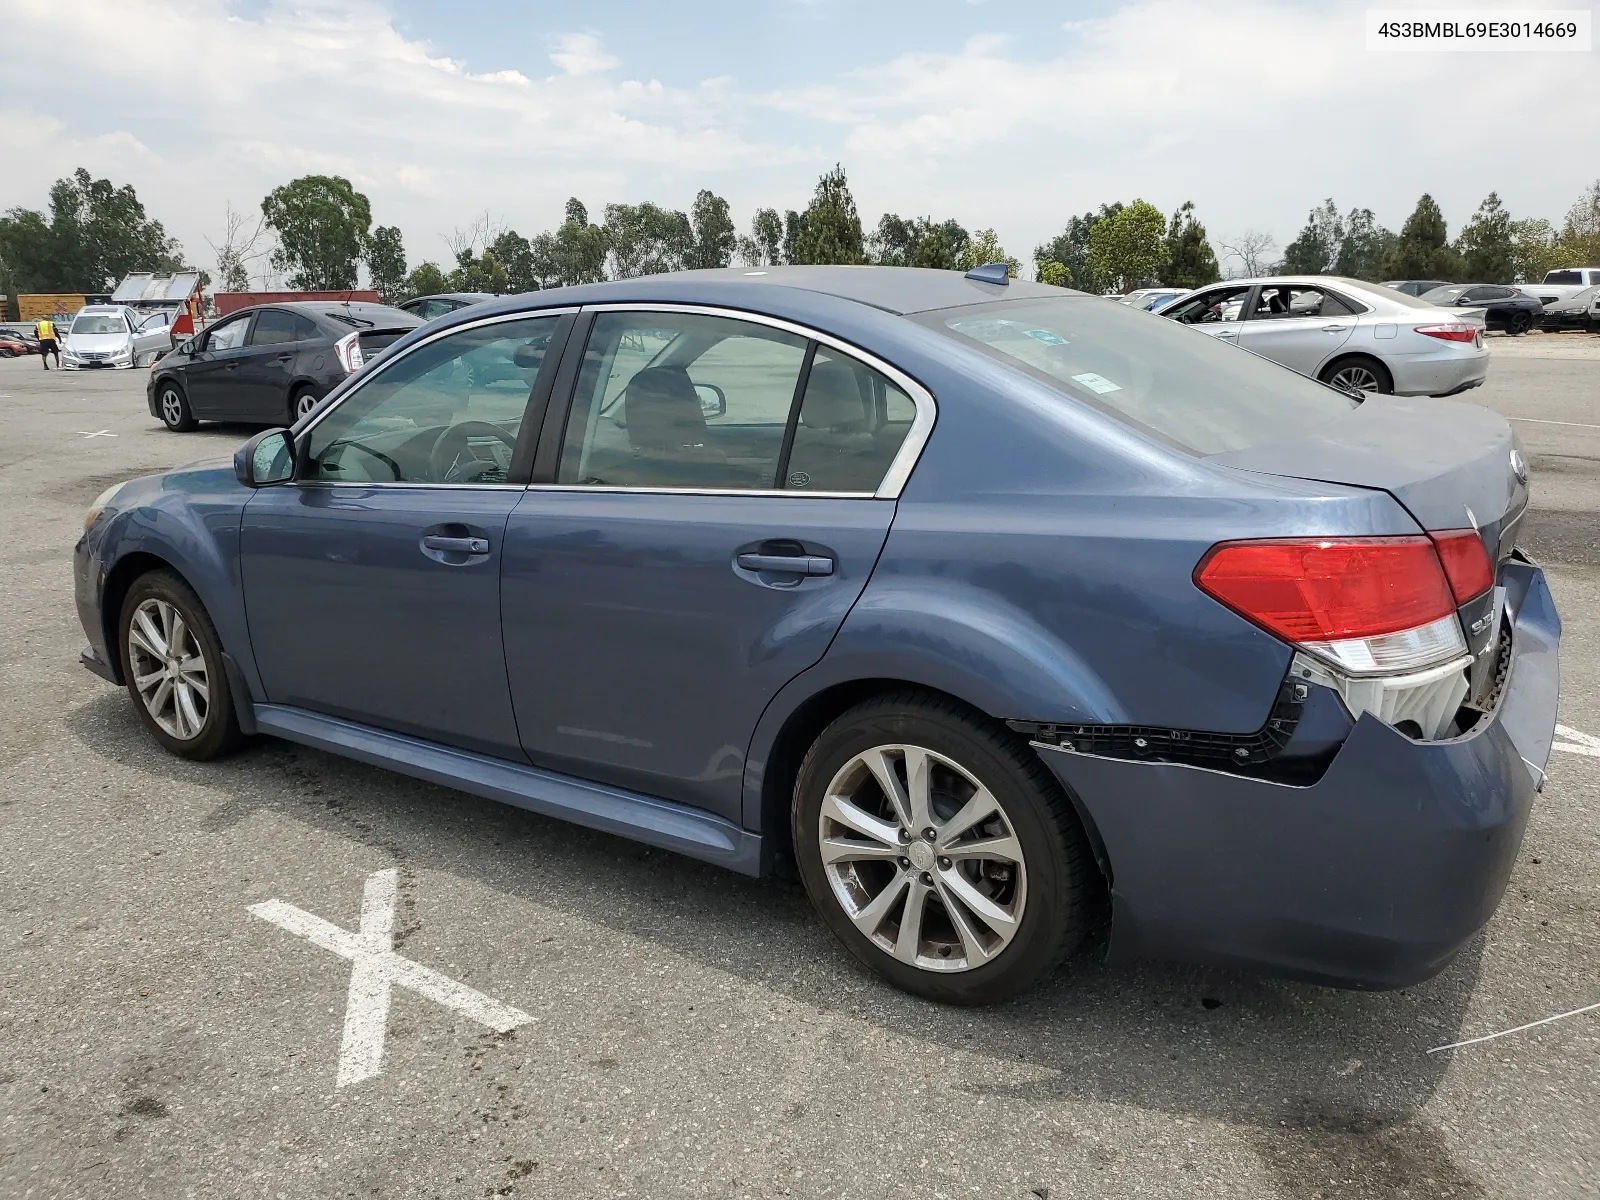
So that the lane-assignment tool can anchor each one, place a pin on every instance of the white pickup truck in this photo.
(1562, 284)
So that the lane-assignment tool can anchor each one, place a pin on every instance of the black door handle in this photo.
(792, 564)
(456, 545)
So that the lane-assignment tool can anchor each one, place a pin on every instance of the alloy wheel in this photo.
(1355, 378)
(172, 407)
(922, 858)
(168, 669)
(303, 405)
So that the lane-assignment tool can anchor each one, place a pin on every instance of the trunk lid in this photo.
(1452, 465)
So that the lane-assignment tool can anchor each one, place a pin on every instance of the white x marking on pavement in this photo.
(1576, 743)
(96, 433)
(376, 968)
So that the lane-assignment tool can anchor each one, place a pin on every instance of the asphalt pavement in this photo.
(677, 1030)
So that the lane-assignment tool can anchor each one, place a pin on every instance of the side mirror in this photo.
(713, 403)
(265, 460)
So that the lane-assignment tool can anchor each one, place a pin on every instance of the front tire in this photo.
(172, 662)
(1519, 324)
(940, 851)
(174, 407)
(1358, 373)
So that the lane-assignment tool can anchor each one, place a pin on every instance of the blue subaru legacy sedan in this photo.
(1000, 609)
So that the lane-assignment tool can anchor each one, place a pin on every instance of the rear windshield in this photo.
(1207, 396)
(1555, 277)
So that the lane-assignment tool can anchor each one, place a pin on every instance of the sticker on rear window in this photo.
(1096, 383)
(1045, 336)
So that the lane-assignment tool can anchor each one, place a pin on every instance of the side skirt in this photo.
(641, 818)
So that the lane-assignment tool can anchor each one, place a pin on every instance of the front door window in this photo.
(446, 412)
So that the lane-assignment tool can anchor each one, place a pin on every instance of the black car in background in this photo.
(1415, 287)
(429, 307)
(1502, 307)
(1577, 312)
(269, 365)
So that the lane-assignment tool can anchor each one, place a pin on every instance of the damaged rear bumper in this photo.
(1374, 876)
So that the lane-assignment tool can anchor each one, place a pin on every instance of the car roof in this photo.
(473, 297)
(333, 308)
(900, 290)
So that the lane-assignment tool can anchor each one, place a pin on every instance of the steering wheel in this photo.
(451, 460)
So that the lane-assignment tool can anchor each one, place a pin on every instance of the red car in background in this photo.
(14, 342)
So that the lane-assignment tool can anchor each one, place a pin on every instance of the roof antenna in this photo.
(991, 273)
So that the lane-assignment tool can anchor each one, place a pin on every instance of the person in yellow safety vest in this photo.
(45, 328)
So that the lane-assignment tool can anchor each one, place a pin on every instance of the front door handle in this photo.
(285, 357)
(792, 564)
(456, 545)
(1333, 329)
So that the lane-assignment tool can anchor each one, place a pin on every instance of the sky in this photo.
(1010, 115)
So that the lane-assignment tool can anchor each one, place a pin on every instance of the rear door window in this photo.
(1189, 390)
(272, 327)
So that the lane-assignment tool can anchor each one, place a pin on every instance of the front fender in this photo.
(196, 532)
(954, 638)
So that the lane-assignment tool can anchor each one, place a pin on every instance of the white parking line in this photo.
(1576, 743)
(1489, 1037)
(97, 433)
(1542, 421)
(377, 967)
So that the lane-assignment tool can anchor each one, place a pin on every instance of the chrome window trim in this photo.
(894, 480)
(792, 493)
(527, 314)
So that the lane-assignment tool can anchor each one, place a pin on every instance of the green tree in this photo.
(96, 234)
(1366, 249)
(766, 231)
(1580, 232)
(1423, 251)
(793, 226)
(982, 249)
(515, 254)
(1534, 249)
(1130, 247)
(1317, 248)
(1191, 262)
(386, 263)
(919, 242)
(479, 273)
(1051, 272)
(321, 222)
(714, 236)
(1070, 248)
(830, 228)
(1484, 243)
(647, 240)
(573, 253)
(426, 280)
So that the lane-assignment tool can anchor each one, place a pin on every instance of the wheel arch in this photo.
(1345, 357)
(770, 773)
(119, 580)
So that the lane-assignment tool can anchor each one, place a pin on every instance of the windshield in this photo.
(1441, 295)
(1205, 395)
(99, 323)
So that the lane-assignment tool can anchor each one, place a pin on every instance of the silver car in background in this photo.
(1361, 337)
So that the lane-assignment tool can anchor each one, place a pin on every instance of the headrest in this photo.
(833, 398)
(662, 410)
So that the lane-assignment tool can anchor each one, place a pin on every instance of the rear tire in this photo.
(172, 663)
(1519, 324)
(174, 407)
(301, 403)
(991, 919)
(1358, 373)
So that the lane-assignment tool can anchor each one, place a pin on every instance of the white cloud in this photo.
(582, 54)
(1253, 109)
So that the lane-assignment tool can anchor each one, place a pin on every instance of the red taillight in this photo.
(1466, 562)
(1326, 590)
(1449, 333)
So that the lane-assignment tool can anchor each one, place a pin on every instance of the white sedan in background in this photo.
(1361, 337)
